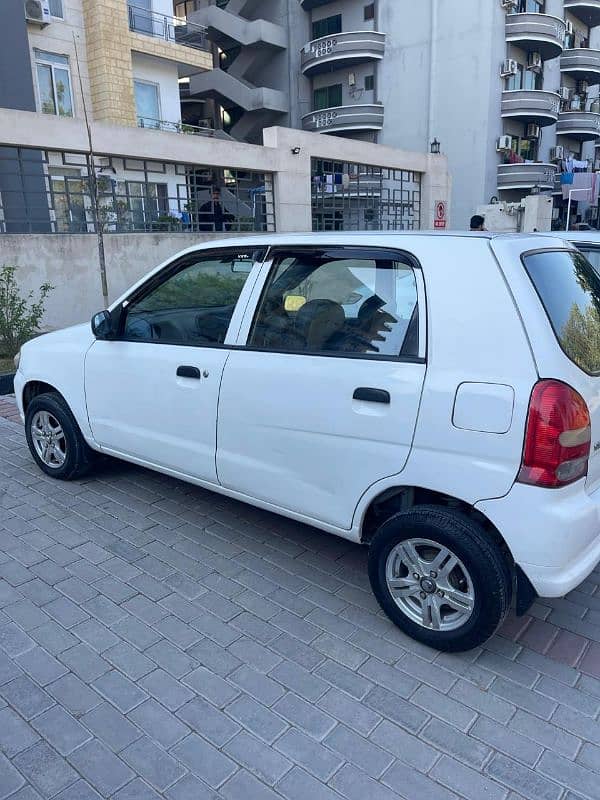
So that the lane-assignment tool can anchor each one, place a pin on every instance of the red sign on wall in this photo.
(440, 214)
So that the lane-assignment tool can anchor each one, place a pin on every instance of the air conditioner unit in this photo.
(565, 93)
(533, 131)
(509, 5)
(569, 27)
(557, 153)
(38, 11)
(504, 143)
(534, 61)
(509, 67)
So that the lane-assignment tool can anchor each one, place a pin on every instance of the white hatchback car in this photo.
(436, 397)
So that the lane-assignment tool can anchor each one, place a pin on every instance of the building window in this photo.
(327, 26)
(54, 83)
(369, 83)
(525, 79)
(369, 11)
(327, 97)
(56, 8)
(147, 104)
(529, 7)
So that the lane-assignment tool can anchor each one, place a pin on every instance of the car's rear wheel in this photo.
(440, 577)
(55, 441)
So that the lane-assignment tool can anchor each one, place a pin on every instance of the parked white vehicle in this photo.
(451, 422)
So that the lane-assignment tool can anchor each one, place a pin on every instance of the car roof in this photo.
(590, 237)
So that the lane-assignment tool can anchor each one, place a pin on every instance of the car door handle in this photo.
(188, 372)
(369, 395)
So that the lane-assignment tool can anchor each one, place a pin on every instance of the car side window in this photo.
(194, 303)
(325, 303)
(592, 254)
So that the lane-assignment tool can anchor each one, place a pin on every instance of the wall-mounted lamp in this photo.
(296, 150)
(435, 147)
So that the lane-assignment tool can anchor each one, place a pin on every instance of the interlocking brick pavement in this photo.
(160, 641)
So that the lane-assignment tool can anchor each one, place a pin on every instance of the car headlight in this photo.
(17, 360)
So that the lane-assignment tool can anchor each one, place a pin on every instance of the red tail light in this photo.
(557, 436)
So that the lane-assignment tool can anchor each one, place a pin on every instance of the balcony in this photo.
(169, 29)
(205, 129)
(526, 176)
(582, 64)
(531, 105)
(541, 33)
(581, 125)
(344, 118)
(342, 50)
(587, 11)
(308, 5)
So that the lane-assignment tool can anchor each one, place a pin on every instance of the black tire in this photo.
(79, 457)
(487, 567)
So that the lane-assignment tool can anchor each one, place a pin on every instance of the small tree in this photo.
(20, 317)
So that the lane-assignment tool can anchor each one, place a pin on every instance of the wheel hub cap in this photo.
(48, 439)
(430, 584)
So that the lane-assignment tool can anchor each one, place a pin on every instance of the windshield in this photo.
(569, 289)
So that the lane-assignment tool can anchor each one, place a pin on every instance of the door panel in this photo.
(290, 432)
(138, 406)
(323, 401)
(153, 394)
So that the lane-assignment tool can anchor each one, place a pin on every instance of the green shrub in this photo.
(20, 317)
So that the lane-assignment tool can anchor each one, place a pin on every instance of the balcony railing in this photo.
(177, 127)
(526, 176)
(170, 29)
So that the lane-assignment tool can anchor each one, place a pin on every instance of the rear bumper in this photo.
(553, 534)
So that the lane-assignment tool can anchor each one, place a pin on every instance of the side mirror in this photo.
(103, 325)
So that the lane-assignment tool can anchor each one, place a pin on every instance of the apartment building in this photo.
(507, 88)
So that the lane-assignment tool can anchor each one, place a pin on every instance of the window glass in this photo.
(324, 304)
(369, 83)
(327, 97)
(195, 305)
(54, 83)
(369, 11)
(46, 89)
(56, 8)
(569, 289)
(147, 104)
(327, 26)
(592, 254)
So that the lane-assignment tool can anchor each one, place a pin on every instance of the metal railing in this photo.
(171, 29)
(175, 127)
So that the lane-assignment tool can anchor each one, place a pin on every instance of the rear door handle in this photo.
(369, 395)
(188, 372)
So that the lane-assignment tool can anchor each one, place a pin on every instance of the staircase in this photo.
(259, 40)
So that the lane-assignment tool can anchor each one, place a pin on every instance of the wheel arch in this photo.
(33, 388)
(401, 498)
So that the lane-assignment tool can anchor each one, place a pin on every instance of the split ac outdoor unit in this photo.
(534, 61)
(557, 153)
(509, 67)
(504, 143)
(533, 131)
(565, 93)
(37, 11)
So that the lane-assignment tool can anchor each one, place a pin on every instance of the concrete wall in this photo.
(165, 74)
(352, 12)
(70, 263)
(58, 38)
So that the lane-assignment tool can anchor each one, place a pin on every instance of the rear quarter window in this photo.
(569, 289)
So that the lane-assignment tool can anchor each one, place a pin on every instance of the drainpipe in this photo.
(432, 72)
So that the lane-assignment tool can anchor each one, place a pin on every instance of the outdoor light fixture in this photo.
(296, 150)
(435, 147)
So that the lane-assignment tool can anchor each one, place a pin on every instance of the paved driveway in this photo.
(157, 640)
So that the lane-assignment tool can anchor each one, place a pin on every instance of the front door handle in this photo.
(188, 372)
(369, 395)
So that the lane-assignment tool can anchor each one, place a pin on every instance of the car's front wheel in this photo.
(440, 577)
(55, 441)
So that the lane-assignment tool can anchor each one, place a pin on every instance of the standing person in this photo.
(212, 215)
(477, 223)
